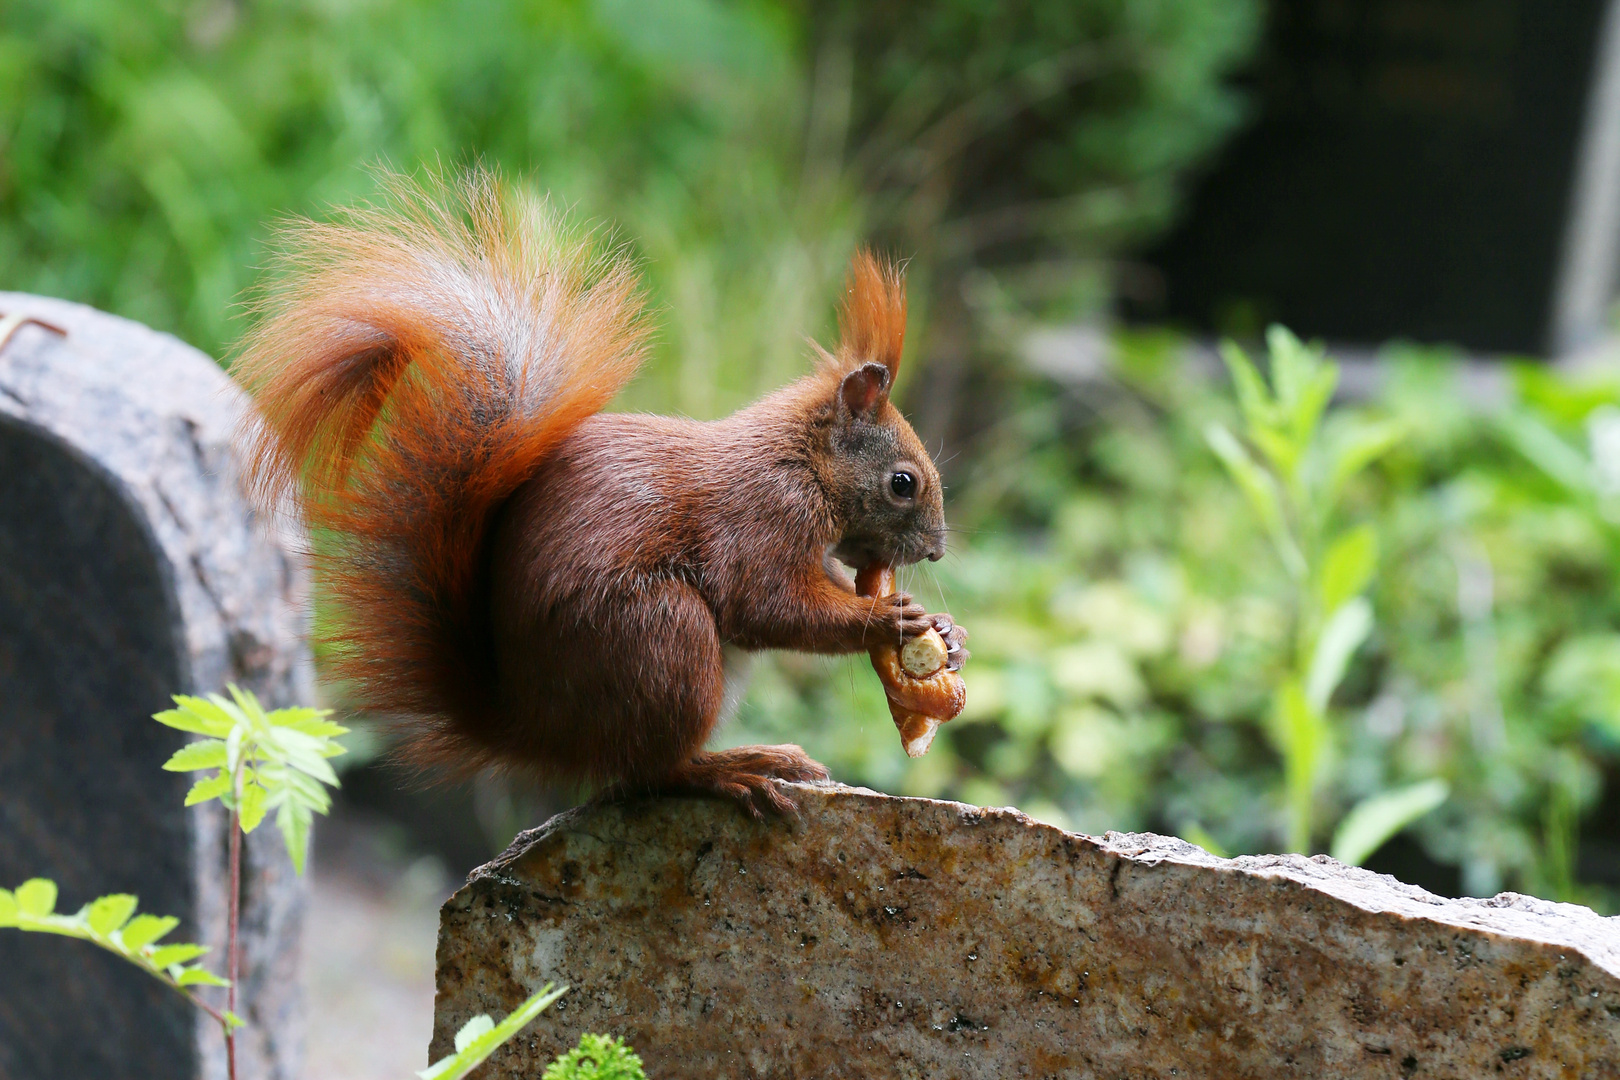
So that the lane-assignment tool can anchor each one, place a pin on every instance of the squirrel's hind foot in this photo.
(745, 775)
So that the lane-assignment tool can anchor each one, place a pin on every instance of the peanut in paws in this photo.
(919, 673)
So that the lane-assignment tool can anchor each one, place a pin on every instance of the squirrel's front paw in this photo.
(901, 616)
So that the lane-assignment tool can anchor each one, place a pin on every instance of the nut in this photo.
(923, 655)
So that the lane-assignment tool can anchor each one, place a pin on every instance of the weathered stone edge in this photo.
(1509, 915)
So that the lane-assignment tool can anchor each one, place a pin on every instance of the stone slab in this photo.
(887, 937)
(131, 568)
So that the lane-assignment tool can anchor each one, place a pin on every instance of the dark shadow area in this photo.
(1404, 859)
(463, 825)
(1408, 175)
(1597, 856)
(438, 821)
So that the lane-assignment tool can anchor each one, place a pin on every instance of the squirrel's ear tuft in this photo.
(873, 320)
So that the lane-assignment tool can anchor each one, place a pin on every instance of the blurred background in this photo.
(1377, 614)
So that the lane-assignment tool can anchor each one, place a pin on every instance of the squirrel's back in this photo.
(414, 364)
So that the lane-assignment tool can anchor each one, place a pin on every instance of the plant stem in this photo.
(233, 952)
(213, 1013)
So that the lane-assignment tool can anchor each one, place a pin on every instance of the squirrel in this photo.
(520, 580)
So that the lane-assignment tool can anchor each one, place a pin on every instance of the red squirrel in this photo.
(523, 581)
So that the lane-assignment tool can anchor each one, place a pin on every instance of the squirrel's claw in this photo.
(956, 653)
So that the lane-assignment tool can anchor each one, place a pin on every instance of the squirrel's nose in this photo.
(935, 554)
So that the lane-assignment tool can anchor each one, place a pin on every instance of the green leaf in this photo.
(168, 955)
(1358, 446)
(1199, 836)
(1291, 364)
(197, 714)
(36, 897)
(106, 923)
(1253, 397)
(142, 930)
(308, 791)
(301, 750)
(211, 787)
(276, 760)
(1583, 676)
(196, 976)
(1255, 482)
(472, 1052)
(250, 708)
(1544, 449)
(1304, 381)
(203, 754)
(1346, 629)
(1302, 735)
(108, 913)
(1261, 490)
(252, 808)
(1348, 567)
(1280, 449)
(1377, 818)
(308, 721)
(472, 1029)
(294, 821)
(303, 753)
(1294, 725)
(1306, 413)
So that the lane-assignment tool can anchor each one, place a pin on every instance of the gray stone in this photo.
(131, 568)
(885, 937)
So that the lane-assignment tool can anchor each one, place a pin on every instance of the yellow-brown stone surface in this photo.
(882, 937)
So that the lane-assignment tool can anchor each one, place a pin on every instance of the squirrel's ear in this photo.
(863, 390)
(873, 319)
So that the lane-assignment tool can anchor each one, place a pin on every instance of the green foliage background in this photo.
(740, 147)
(1129, 619)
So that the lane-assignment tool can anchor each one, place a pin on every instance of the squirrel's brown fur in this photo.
(522, 580)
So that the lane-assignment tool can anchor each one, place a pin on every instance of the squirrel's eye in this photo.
(903, 484)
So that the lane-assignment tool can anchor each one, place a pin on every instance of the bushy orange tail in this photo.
(414, 365)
